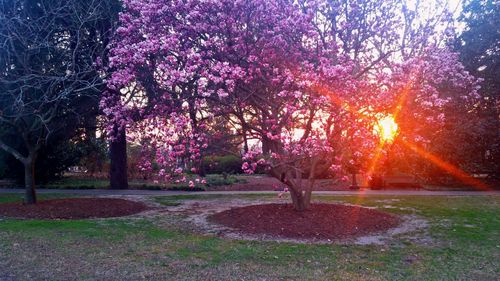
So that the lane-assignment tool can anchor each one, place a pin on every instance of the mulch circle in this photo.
(321, 221)
(73, 208)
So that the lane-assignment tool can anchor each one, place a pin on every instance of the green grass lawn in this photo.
(213, 180)
(464, 231)
(7, 198)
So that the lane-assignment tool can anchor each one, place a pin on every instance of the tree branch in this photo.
(12, 151)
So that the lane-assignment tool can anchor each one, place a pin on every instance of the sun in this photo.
(387, 128)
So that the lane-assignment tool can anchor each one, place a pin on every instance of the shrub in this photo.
(222, 164)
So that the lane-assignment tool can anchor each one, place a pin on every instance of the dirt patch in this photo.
(73, 208)
(322, 221)
(410, 224)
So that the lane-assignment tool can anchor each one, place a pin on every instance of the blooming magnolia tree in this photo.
(308, 79)
(433, 100)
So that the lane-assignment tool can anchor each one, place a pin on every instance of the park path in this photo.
(97, 192)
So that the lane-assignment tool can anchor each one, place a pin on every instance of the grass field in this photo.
(213, 180)
(463, 231)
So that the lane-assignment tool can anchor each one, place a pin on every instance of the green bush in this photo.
(229, 164)
(218, 180)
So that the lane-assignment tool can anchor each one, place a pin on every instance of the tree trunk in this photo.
(266, 146)
(118, 155)
(201, 168)
(301, 200)
(29, 182)
(354, 184)
(245, 140)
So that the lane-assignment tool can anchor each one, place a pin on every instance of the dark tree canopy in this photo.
(479, 47)
(50, 80)
(479, 44)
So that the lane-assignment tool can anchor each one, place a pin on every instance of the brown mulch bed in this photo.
(73, 208)
(322, 221)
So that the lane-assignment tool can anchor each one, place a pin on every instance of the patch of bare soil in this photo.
(73, 208)
(320, 222)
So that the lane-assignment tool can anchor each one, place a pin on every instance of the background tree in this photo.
(48, 73)
(467, 134)
(479, 47)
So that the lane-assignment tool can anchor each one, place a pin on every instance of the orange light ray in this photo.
(378, 150)
(448, 167)
(373, 163)
(354, 216)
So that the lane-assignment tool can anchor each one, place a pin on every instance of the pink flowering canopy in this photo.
(308, 79)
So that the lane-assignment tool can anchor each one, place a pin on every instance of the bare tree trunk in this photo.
(354, 184)
(29, 169)
(301, 189)
(301, 199)
(301, 195)
(245, 140)
(29, 181)
(266, 149)
(118, 155)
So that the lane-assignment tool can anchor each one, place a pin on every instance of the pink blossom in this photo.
(299, 89)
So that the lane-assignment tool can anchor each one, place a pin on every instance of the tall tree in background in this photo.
(479, 47)
(48, 72)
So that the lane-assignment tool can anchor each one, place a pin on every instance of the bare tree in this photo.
(48, 55)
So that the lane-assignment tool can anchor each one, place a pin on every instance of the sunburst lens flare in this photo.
(387, 129)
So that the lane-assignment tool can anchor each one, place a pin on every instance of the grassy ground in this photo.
(464, 233)
(7, 198)
(213, 180)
